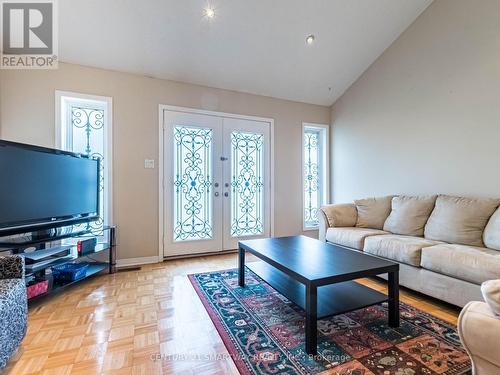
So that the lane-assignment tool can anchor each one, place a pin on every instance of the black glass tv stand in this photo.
(102, 259)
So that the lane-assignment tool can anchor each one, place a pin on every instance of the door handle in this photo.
(223, 158)
(226, 194)
(216, 193)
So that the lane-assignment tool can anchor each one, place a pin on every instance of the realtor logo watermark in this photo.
(29, 34)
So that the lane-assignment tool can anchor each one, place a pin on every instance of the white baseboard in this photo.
(137, 261)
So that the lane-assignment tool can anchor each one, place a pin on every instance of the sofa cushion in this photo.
(473, 264)
(340, 215)
(409, 215)
(351, 237)
(372, 212)
(460, 220)
(491, 294)
(491, 235)
(403, 249)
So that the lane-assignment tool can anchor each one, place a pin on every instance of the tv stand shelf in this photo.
(106, 262)
(28, 239)
(93, 269)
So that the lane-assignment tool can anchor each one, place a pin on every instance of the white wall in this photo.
(425, 117)
(27, 115)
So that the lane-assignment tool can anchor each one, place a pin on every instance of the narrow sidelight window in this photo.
(315, 172)
(84, 126)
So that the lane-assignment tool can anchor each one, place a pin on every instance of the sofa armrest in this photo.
(11, 267)
(340, 215)
(322, 225)
(479, 330)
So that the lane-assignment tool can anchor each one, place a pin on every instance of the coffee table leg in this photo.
(394, 299)
(311, 319)
(241, 268)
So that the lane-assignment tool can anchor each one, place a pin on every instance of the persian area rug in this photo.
(264, 334)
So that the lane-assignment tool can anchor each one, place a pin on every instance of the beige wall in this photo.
(27, 115)
(425, 117)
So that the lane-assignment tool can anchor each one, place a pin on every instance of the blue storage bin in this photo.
(69, 271)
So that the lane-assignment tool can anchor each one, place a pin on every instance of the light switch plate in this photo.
(149, 163)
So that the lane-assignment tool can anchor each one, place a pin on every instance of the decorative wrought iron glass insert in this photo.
(312, 192)
(247, 198)
(192, 183)
(86, 136)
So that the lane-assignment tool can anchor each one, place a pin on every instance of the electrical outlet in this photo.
(149, 163)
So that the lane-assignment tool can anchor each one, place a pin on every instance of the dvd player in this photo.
(40, 255)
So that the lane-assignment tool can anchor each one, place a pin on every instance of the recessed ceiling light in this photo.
(310, 39)
(209, 12)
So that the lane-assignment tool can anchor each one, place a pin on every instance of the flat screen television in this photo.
(42, 188)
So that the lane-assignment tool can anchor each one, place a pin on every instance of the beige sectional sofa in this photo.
(446, 246)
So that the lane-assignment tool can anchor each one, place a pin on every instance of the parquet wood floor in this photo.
(116, 324)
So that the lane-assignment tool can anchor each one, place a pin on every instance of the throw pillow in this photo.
(409, 215)
(460, 220)
(491, 235)
(372, 212)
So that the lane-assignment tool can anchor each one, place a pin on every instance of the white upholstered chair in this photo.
(479, 329)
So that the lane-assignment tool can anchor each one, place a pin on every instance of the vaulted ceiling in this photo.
(254, 46)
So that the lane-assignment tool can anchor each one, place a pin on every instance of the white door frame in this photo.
(161, 177)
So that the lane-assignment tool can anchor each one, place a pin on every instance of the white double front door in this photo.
(216, 182)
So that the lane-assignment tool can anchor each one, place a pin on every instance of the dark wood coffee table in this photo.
(318, 276)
